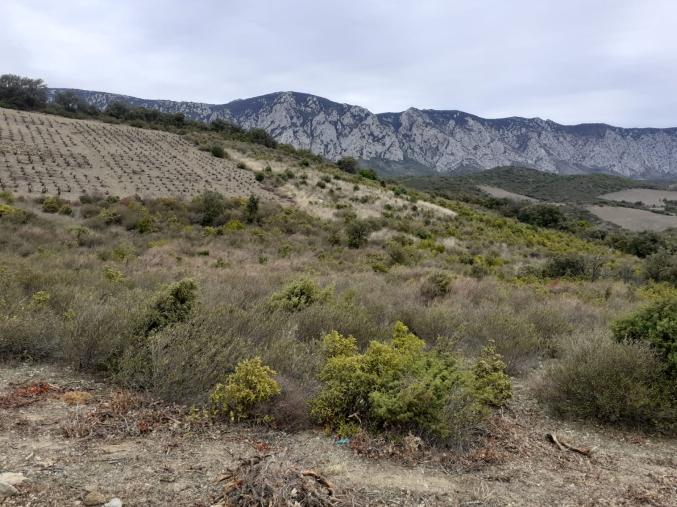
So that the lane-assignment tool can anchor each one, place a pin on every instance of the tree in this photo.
(22, 92)
(260, 136)
(348, 165)
(118, 110)
(543, 215)
(74, 104)
(220, 125)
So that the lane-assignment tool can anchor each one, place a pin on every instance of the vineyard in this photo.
(43, 154)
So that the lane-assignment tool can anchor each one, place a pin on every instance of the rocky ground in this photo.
(68, 439)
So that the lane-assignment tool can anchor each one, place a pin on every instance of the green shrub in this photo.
(173, 304)
(369, 174)
(217, 151)
(113, 274)
(250, 384)
(565, 265)
(299, 294)
(233, 225)
(210, 206)
(7, 197)
(6, 209)
(356, 233)
(662, 267)
(396, 386)
(348, 164)
(491, 382)
(251, 210)
(655, 324)
(51, 205)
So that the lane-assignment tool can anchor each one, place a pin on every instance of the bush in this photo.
(210, 206)
(565, 265)
(260, 136)
(491, 382)
(15, 215)
(251, 210)
(369, 174)
(356, 232)
(614, 382)
(348, 164)
(250, 384)
(299, 294)
(173, 304)
(655, 324)
(662, 267)
(217, 151)
(51, 205)
(543, 215)
(396, 386)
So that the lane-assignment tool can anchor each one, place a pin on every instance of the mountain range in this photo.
(427, 141)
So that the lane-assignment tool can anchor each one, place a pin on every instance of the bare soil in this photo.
(42, 154)
(499, 193)
(634, 219)
(149, 453)
(647, 196)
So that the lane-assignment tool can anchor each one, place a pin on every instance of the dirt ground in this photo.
(42, 154)
(73, 448)
(499, 193)
(647, 196)
(634, 219)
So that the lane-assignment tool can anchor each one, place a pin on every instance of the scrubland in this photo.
(314, 300)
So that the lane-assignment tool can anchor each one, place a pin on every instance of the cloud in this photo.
(578, 61)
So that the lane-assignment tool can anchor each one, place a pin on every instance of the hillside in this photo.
(251, 325)
(46, 154)
(416, 140)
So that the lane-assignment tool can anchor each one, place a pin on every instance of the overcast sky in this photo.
(572, 61)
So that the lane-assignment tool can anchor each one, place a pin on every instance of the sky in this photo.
(573, 61)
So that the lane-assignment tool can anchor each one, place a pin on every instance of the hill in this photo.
(254, 325)
(417, 140)
(46, 154)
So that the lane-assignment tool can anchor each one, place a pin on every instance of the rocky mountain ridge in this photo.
(419, 141)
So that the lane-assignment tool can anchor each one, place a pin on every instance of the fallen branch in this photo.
(561, 445)
(320, 479)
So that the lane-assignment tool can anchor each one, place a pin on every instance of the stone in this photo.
(113, 502)
(94, 498)
(12, 478)
(7, 490)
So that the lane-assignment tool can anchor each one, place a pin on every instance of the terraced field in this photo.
(44, 154)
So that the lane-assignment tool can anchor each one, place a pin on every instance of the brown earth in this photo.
(51, 155)
(73, 435)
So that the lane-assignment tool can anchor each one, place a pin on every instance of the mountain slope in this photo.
(415, 140)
